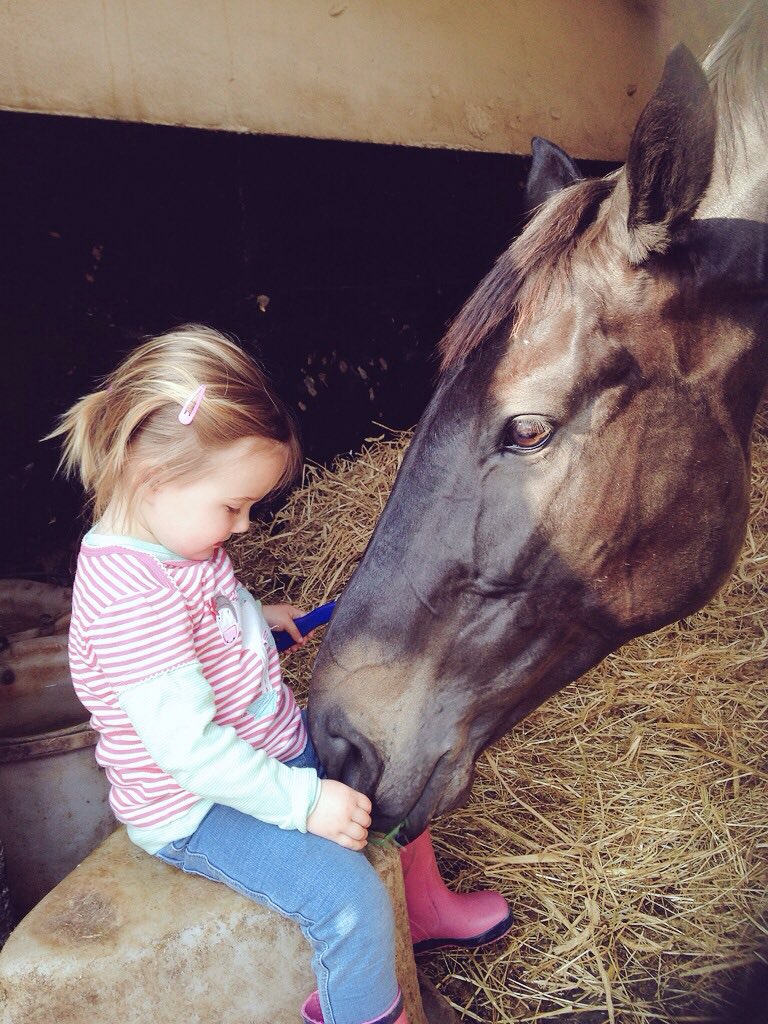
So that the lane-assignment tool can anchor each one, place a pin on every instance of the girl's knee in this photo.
(365, 909)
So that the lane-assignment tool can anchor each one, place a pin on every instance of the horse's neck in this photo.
(739, 184)
(737, 69)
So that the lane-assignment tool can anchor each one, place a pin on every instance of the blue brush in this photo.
(306, 623)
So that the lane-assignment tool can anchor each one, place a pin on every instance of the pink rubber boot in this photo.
(312, 1014)
(439, 917)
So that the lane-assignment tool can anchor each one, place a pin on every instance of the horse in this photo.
(581, 473)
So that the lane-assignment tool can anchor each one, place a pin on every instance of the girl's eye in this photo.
(527, 434)
(232, 511)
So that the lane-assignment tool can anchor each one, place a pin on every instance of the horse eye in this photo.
(527, 433)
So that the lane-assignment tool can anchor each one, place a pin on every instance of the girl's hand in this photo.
(341, 814)
(281, 616)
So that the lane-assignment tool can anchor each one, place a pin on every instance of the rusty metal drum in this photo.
(53, 796)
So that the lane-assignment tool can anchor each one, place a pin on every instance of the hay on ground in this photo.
(625, 820)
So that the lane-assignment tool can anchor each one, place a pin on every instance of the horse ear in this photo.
(670, 156)
(551, 170)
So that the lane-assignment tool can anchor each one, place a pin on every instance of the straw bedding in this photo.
(624, 820)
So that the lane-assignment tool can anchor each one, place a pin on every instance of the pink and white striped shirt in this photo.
(177, 665)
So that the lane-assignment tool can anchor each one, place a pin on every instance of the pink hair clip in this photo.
(192, 404)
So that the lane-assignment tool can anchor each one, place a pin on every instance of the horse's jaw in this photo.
(408, 731)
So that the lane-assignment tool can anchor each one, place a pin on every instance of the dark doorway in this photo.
(337, 264)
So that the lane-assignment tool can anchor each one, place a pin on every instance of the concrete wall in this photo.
(466, 74)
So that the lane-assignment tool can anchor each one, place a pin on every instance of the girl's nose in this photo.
(242, 523)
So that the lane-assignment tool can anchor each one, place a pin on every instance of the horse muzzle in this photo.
(401, 795)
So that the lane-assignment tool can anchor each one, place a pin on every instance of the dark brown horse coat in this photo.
(581, 475)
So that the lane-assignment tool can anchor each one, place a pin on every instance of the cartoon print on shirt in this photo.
(255, 633)
(226, 619)
(257, 636)
(240, 618)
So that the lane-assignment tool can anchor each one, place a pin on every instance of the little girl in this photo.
(205, 749)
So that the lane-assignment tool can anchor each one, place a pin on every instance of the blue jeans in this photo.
(334, 894)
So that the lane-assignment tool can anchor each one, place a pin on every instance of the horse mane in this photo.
(538, 260)
(737, 70)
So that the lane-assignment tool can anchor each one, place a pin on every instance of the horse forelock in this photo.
(536, 263)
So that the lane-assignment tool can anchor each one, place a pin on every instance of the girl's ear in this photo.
(144, 482)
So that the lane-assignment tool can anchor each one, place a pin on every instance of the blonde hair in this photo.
(134, 416)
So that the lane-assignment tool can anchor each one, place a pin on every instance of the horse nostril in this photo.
(327, 737)
(335, 753)
(345, 754)
(360, 768)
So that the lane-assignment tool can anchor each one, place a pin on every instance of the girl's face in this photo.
(194, 518)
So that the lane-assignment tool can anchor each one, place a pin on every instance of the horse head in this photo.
(581, 475)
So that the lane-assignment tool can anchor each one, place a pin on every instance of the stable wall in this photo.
(483, 75)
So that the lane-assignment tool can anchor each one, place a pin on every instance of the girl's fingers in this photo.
(351, 844)
(362, 817)
(293, 630)
(356, 832)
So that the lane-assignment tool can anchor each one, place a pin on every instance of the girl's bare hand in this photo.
(281, 616)
(341, 814)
